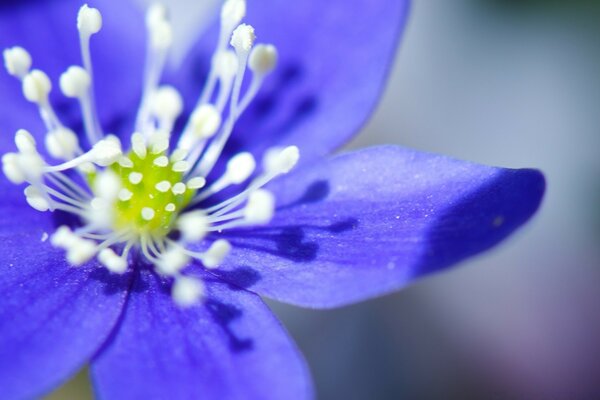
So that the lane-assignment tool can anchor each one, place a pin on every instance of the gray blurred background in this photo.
(508, 83)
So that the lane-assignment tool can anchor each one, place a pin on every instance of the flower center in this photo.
(135, 200)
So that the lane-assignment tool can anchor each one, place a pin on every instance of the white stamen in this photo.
(125, 194)
(112, 261)
(193, 226)
(233, 12)
(163, 186)
(17, 61)
(196, 183)
(239, 168)
(138, 144)
(281, 162)
(25, 142)
(161, 161)
(62, 143)
(170, 207)
(167, 103)
(243, 38)
(148, 213)
(106, 152)
(181, 166)
(125, 162)
(36, 199)
(187, 291)
(11, 168)
(179, 188)
(107, 185)
(89, 21)
(135, 177)
(260, 207)
(216, 253)
(75, 82)
(172, 261)
(36, 86)
(263, 59)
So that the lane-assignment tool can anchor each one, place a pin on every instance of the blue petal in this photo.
(333, 61)
(53, 318)
(48, 30)
(230, 347)
(366, 223)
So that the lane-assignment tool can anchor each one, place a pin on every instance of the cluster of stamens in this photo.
(149, 198)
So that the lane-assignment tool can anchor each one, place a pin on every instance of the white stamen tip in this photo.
(135, 177)
(62, 143)
(240, 167)
(193, 226)
(196, 183)
(17, 61)
(260, 207)
(157, 23)
(161, 161)
(36, 86)
(181, 166)
(138, 144)
(106, 151)
(107, 185)
(205, 121)
(11, 169)
(281, 161)
(243, 38)
(125, 194)
(172, 261)
(35, 199)
(187, 291)
(233, 12)
(167, 103)
(263, 59)
(216, 253)
(148, 213)
(170, 207)
(89, 20)
(25, 141)
(81, 251)
(179, 188)
(112, 261)
(163, 186)
(125, 162)
(75, 82)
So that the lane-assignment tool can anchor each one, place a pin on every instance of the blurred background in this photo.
(512, 83)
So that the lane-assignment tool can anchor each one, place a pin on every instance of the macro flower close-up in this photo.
(151, 201)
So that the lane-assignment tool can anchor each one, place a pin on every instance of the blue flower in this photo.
(159, 288)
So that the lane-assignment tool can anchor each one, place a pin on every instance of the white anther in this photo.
(226, 64)
(135, 177)
(178, 188)
(216, 253)
(170, 207)
(75, 82)
(138, 144)
(125, 194)
(187, 291)
(193, 226)
(106, 152)
(163, 186)
(263, 59)
(63, 237)
(25, 141)
(240, 167)
(159, 142)
(107, 185)
(112, 261)
(281, 161)
(87, 168)
(178, 155)
(11, 168)
(167, 103)
(196, 183)
(31, 166)
(89, 20)
(17, 61)
(233, 11)
(161, 161)
(125, 162)
(161, 34)
(36, 86)
(62, 143)
(172, 261)
(36, 199)
(243, 38)
(156, 13)
(260, 207)
(81, 251)
(205, 121)
(148, 213)
(181, 166)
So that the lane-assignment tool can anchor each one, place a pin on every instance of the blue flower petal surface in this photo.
(334, 57)
(48, 30)
(228, 347)
(369, 222)
(53, 317)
